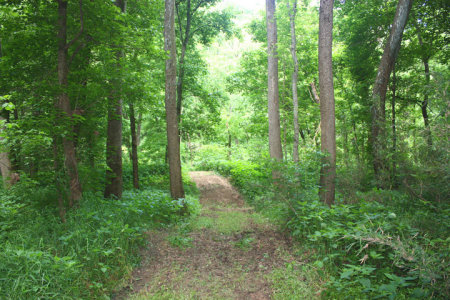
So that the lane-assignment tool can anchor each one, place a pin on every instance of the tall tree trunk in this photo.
(134, 147)
(327, 110)
(273, 92)
(173, 141)
(424, 104)
(292, 14)
(63, 104)
(380, 87)
(114, 180)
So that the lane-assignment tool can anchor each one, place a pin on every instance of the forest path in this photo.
(227, 252)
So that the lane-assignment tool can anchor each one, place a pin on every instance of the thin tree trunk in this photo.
(355, 138)
(91, 151)
(345, 144)
(180, 82)
(63, 103)
(59, 186)
(173, 141)
(394, 133)
(114, 180)
(327, 109)
(302, 135)
(185, 41)
(424, 104)
(273, 92)
(139, 127)
(134, 147)
(292, 14)
(285, 149)
(380, 87)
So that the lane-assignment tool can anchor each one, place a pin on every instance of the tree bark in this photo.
(380, 87)
(114, 180)
(327, 109)
(273, 92)
(63, 104)
(173, 141)
(134, 147)
(292, 14)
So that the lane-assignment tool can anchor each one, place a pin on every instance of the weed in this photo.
(245, 243)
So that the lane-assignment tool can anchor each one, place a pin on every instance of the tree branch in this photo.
(179, 22)
(314, 91)
(77, 50)
(77, 37)
(199, 4)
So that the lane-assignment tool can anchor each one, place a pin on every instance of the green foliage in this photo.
(155, 174)
(86, 257)
(384, 244)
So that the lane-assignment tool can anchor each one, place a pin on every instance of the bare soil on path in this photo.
(227, 252)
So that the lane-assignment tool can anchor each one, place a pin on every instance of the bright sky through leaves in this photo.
(254, 5)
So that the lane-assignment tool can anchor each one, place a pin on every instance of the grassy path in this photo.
(227, 252)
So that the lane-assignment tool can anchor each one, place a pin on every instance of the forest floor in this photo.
(227, 252)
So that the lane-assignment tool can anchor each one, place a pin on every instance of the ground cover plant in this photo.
(88, 256)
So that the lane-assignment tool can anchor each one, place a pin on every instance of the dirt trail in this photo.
(225, 253)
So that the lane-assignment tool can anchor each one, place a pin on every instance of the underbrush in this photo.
(88, 256)
(380, 244)
(155, 174)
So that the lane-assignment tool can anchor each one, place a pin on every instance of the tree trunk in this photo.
(134, 147)
(173, 141)
(424, 104)
(292, 14)
(394, 133)
(114, 181)
(63, 104)
(59, 185)
(139, 126)
(5, 163)
(327, 114)
(273, 92)
(180, 82)
(380, 87)
(184, 43)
